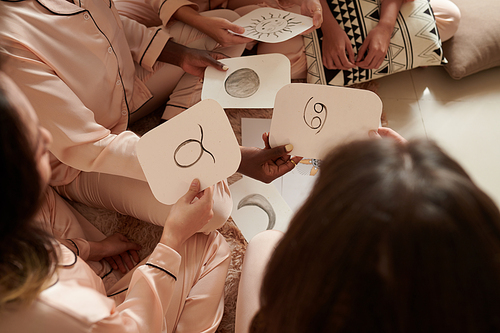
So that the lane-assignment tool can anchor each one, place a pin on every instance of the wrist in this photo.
(172, 53)
(387, 25)
(171, 241)
(96, 251)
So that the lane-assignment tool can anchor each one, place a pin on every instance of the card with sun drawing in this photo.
(250, 82)
(198, 143)
(273, 25)
(315, 118)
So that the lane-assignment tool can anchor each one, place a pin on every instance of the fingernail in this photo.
(225, 67)
(194, 183)
(372, 134)
(289, 148)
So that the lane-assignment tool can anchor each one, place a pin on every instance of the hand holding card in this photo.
(314, 118)
(273, 25)
(198, 143)
(250, 82)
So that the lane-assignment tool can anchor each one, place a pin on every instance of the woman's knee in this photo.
(447, 16)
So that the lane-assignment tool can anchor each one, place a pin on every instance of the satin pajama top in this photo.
(76, 64)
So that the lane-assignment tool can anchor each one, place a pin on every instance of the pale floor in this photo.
(461, 116)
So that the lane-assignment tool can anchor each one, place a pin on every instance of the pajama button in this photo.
(118, 82)
(110, 49)
(124, 113)
(86, 16)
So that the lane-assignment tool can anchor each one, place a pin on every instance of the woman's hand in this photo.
(267, 164)
(192, 61)
(188, 215)
(386, 132)
(117, 250)
(219, 29)
(374, 49)
(312, 8)
(215, 27)
(337, 49)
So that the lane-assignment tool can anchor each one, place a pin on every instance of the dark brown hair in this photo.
(26, 253)
(393, 238)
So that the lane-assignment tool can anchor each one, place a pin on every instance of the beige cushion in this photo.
(476, 44)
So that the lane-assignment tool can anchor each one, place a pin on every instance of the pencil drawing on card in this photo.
(242, 83)
(315, 115)
(260, 201)
(271, 25)
(183, 160)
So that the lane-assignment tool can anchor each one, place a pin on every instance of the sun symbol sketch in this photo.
(271, 25)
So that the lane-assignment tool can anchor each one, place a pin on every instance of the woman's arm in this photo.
(337, 50)
(372, 53)
(219, 29)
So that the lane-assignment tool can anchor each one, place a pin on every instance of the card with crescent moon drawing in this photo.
(198, 143)
(250, 82)
(314, 118)
(273, 25)
(258, 207)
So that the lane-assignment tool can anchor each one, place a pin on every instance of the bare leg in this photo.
(257, 255)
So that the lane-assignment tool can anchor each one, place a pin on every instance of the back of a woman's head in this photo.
(19, 178)
(26, 253)
(393, 238)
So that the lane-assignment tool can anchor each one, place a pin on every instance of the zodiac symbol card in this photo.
(316, 117)
(258, 207)
(273, 25)
(198, 143)
(250, 82)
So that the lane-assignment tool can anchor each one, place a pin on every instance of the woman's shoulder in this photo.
(73, 301)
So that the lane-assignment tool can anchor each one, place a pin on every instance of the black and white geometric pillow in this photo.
(415, 41)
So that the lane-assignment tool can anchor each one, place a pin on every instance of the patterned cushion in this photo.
(415, 41)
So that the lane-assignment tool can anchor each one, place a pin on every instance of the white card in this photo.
(198, 143)
(314, 118)
(273, 25)
(250, 82)
(258, 207)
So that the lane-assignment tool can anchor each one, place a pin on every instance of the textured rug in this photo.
(148, 235)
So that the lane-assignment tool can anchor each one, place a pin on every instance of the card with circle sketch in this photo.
(250, 82)
(258, 207)
(198, 143)
(316, 117)
(273, 25)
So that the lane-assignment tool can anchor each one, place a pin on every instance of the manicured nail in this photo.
(225, 67)
(289, 148)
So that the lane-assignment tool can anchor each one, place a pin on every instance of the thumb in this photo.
(213, 61)
(194, 189)
(373, 134)
(276, 152)
(235, 28)
(133, 246)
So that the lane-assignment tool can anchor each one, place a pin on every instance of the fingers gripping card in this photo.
(198, 143)
(250, 82)
(315, 118)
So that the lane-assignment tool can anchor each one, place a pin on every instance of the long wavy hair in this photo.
(26, 253)
(393, 238)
